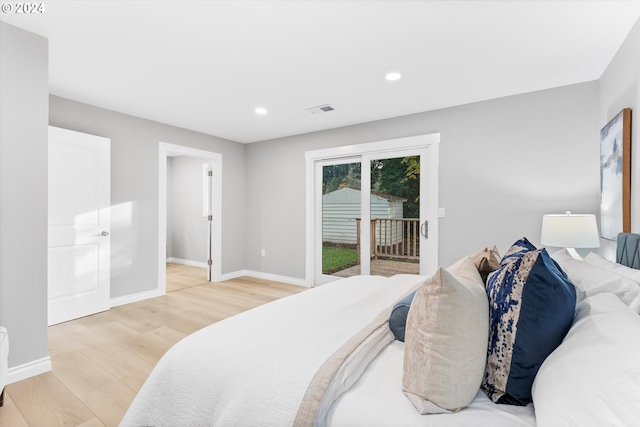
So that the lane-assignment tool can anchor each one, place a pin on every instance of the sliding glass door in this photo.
(373, 212)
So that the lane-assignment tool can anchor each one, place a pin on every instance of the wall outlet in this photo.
(263, 252)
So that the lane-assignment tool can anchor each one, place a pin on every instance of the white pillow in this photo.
(446, 340)
(592, 280)
(593, 377)
(599, 261)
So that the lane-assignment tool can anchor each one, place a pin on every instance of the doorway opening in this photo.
(189, 226)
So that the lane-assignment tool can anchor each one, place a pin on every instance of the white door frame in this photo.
(376, 149)
(167, 150)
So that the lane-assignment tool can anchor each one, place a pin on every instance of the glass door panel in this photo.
(395, 215)
(341, 216)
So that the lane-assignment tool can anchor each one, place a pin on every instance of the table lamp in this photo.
(570, 231)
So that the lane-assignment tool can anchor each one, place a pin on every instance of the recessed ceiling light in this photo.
(393, 76)
(261, 111)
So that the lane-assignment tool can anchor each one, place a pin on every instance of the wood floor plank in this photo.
(110, 403)
(93, 422)
(101, 361)
(44, 401)
(80, 373)
(9, 414)
(166, 335)
(144, 347)
(129, 369)
(78, 334)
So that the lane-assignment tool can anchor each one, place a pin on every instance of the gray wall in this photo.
(134, 189)
(619, 87)
(503, 164)
(187, 229)
(24, 85)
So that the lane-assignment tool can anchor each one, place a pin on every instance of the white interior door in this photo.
(79, 225)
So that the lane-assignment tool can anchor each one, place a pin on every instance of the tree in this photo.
(335, 177)
(399, 177)
(396, 177)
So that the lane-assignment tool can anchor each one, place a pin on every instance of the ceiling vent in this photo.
(320, 109)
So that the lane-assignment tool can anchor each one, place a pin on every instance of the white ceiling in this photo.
(206, 65)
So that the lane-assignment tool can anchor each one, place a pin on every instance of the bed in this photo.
(328, 356)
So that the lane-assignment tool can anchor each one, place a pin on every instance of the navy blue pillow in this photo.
(398, 318)
(531, 306)
(518, 249)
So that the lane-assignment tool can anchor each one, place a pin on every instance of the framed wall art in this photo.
(615, 176)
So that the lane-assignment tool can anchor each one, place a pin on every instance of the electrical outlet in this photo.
(263, 253)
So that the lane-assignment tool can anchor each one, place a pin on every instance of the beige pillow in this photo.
(487, 260)
(446, 340)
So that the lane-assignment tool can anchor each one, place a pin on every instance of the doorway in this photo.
(372, 209)
(188, 222)
(205, 221)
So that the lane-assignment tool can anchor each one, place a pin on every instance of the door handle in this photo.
(424, 229)
(103, 234)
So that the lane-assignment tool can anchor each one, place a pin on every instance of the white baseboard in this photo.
(266, 276)
(187, 262)
(28, 370)
(140, 296)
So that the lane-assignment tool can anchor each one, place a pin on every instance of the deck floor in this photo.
(382, 267)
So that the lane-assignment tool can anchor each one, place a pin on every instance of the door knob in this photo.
(103, 234)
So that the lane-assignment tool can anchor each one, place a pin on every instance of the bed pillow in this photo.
(487, 260)
(531, 303)
(592, 280)
(446, 340)
(593, 378)
(599, 261)
(398, 317)
(519, 248)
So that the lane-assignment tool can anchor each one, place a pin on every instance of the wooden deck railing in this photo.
(393, 238)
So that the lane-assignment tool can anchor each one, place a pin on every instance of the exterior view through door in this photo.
(373, 211)
(394, 225)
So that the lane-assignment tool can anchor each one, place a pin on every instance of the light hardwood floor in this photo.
(101, 361)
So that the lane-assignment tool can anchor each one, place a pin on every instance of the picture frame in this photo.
(615, 176)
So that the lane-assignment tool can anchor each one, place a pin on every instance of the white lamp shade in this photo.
(570, 231)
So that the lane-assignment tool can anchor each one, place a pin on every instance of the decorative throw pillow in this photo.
(593, 378)
(398, 318)
(518, 249)
(531, 304)
(486, 260)
(446, 340)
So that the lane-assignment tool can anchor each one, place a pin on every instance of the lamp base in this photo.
(574, 253)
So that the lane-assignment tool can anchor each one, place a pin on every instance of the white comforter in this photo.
(377, 400)
(254, 369)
